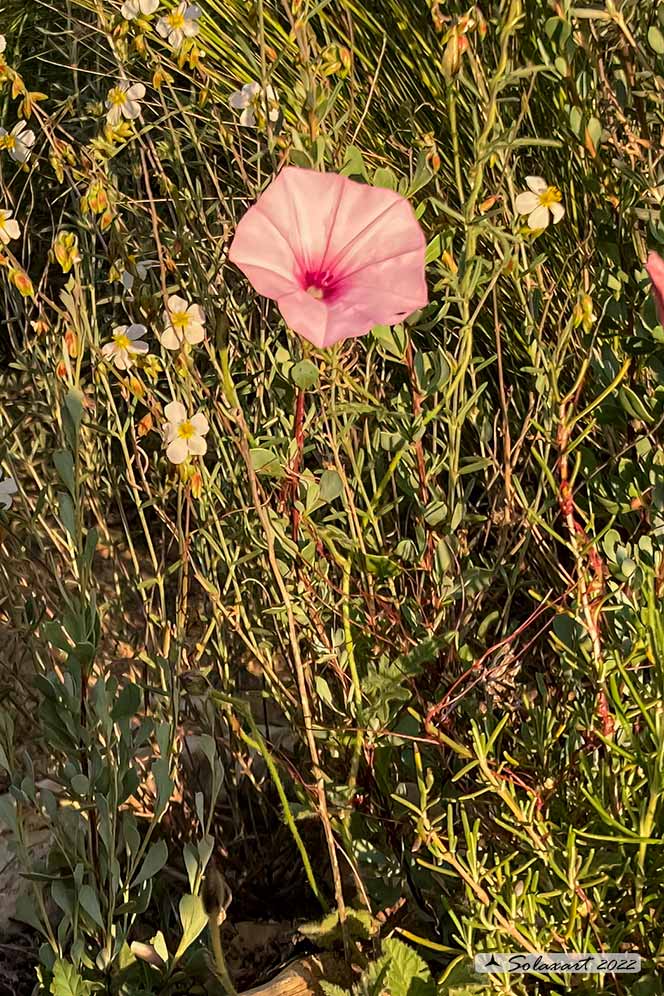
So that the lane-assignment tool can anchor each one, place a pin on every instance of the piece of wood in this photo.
(302, 977)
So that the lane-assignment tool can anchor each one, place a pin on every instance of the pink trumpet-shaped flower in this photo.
(338, 256)
(655, 268)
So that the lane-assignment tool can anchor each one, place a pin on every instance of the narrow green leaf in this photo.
(153, 862)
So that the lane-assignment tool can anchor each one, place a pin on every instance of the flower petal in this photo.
(131, 109)
(238, 100)
(655, 268)
(122, 359)
(148, 6)
(306, 315)
(539, 218)
(138, 347)
(194, 333)
(537, 184)
(136, 91)
(114, 115)
(130, 9)
(175, 412)
(177, 451)
(176, 303)
(196, 314)
(170, 339)
(558, 211)
(527, 202)
(248, 118)
(200, 423)
(136, 331)
(197, 445)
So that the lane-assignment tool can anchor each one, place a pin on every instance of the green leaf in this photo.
(128, 702)
(305, 374)
(391, 342)
(67, 514)
(64, 464)
(384, 177)
(594, 131)
(407, 973)
(88, 899)
(72, 416)
(90, 546)
(162, 776)
(422, 175)
(656, 40)
(193, 919)
(330, 989)
(265, 461)
(154, 861)
(26, 912)
(331, 485)
(67, 981)
(353, 164)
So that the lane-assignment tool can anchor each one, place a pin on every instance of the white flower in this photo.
(126, 344)
(19, 142)
(134, 8)
(184, 323)
(251, 102)
(127, 279)
(181, 23)
(3, 44)
(183, 436)
(8, 487)
(9, 227)
(540, 202)
(124, 101)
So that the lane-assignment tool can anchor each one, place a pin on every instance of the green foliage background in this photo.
(462, 636)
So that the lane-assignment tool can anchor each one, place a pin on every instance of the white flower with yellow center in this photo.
(251, 102)
(126, 345)
(8, 488)
(181, 23)
(184, 323)
(18, 142)
(134, 8)
(540, 202)
(184, 436)
(123, 101)
(9, 227)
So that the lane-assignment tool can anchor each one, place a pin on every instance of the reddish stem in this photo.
(289, 492)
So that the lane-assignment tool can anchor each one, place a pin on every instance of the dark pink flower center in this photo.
(321, 284)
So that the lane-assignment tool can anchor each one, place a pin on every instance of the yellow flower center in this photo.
(176, 20)
(186, 430)
(117, 97)
(315, 292)
(550, 196)
(179, 319)
(10, 142)
(122, 341)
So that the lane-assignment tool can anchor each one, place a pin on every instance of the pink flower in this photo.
(338, 257)
(655, 268)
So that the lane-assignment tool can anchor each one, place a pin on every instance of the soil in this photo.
(18, 957)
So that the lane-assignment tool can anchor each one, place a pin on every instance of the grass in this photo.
(462, 633)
